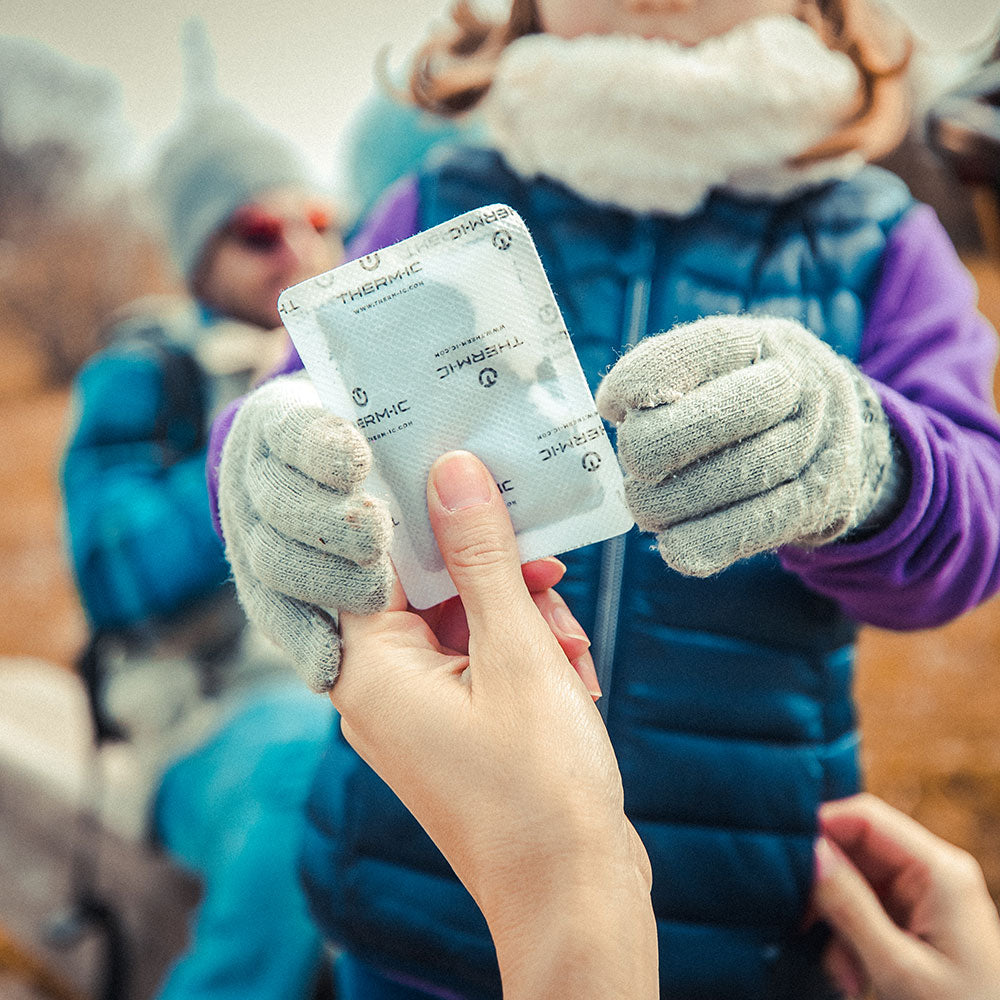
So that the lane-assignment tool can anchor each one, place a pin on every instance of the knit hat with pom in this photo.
(215, 159)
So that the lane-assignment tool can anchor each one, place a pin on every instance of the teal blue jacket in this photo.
(140, 531)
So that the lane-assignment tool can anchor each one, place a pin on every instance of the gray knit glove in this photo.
(304, 540)
(740, 434)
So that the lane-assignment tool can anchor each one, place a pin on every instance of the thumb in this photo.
(848, 903)
(476, 540)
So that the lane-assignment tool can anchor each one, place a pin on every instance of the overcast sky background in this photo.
(303, 66)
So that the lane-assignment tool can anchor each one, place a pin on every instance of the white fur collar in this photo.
(652, 126)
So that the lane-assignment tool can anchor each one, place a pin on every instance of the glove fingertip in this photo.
(607, 405)
(309, 636)
(316, 652)
(690, 560)
(320, 676)
(357, 452)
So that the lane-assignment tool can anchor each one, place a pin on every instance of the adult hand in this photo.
(911, 913)
(502, 756)
(450, 625)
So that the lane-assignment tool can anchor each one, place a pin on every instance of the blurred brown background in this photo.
(52, 304)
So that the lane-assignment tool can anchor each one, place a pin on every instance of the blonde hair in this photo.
(454, 69)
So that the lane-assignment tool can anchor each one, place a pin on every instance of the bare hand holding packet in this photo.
(453, 339)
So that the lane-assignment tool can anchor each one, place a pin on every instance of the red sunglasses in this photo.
(261, 231)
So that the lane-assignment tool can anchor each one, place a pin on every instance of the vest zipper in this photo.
(609, 589)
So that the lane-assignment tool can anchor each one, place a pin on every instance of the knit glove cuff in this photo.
(740, 434)
(303, 538)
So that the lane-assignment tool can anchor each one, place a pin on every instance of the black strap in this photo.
(90, 667)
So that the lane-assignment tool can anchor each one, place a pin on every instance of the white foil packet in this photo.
(453, 339)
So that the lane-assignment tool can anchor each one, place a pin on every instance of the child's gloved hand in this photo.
(304, 540)
(740, 434)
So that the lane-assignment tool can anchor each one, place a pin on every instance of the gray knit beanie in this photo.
(215, 159)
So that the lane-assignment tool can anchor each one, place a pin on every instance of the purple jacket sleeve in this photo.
(393, 219)
(931, 356)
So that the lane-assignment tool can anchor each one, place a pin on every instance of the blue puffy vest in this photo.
(729, 703)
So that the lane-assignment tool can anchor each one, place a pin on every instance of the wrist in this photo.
(890, 490)
(584, 928)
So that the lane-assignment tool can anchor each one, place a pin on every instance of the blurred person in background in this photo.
(235, 738)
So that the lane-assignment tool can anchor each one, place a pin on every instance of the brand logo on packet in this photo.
(478, 357)
(371, 262)
(488, 378)
(577, 440)
(360, 396)
(367, 288)
(387, 413)
(502, 239)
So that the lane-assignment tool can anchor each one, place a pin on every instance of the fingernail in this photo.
(461, 481)
(568, 625)
(595, 691)
(825, 859)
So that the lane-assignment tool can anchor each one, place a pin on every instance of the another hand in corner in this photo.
(911, 913)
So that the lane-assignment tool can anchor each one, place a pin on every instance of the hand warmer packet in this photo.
(453, 339)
